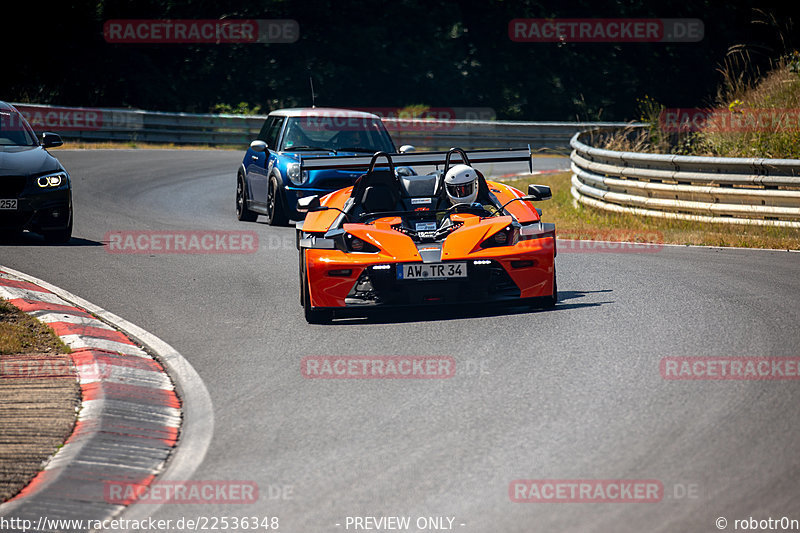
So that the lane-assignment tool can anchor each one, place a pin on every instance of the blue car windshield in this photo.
(14, 130)
(336, 133)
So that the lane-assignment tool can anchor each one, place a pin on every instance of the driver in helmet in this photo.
(461, 185)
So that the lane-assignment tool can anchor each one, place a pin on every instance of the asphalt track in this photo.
(570, 393)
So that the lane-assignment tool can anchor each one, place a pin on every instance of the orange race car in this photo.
(396, 238)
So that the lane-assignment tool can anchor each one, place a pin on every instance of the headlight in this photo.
(297, 176)
(51, 180)
(354, 244)
(508, 236)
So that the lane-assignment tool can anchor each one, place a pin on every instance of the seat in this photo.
(421, 186)
(378, 199)
(484, 195)
(376, 192)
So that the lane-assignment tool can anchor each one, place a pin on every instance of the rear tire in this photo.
(242, 212)
(276, 212)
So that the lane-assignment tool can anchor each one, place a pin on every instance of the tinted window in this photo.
(337, 133)
(262, 135)
(14, 130)
(273, 132)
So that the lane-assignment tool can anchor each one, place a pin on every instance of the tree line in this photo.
(361, 53)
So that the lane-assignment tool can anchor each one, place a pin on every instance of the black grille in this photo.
(11, 186)
(14, 219)
(485, 283)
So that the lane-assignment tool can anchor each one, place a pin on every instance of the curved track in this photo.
(572, 393)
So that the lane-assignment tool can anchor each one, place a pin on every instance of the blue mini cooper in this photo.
(271, 179)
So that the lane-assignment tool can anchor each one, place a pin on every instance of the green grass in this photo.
(583, 222)
(740, 98)
(20, 333)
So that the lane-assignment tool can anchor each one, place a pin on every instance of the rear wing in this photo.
(361, 162)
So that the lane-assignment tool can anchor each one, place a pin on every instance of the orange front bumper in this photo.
(529, 264)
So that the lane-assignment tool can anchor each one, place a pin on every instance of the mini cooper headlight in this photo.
(297, 176)
(51, 180)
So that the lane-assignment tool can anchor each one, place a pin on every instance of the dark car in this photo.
(270, 179)
(35, 190)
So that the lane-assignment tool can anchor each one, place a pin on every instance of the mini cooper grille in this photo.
(11, 186)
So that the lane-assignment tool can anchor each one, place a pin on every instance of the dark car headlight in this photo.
(347, 242)
(297, 176)
(354, 244)
(508, 236)
(51, 181)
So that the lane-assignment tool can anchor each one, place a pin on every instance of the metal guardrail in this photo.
(706, 189)
(127, 125)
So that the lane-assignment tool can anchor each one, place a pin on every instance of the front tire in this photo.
(242, 212)
(276, 212)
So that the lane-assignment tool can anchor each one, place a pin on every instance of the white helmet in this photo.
(461, 184)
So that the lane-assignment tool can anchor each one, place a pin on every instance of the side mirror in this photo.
(539, 192)
(259, 146)
(407, 148)
(51, 140)
(307, 204)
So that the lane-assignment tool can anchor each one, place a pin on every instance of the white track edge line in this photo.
(197, 428)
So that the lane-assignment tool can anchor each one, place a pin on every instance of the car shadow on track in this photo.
(457, 312)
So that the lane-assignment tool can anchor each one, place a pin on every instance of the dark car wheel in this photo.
(242, 212)
(276, 213)
(314, 316)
